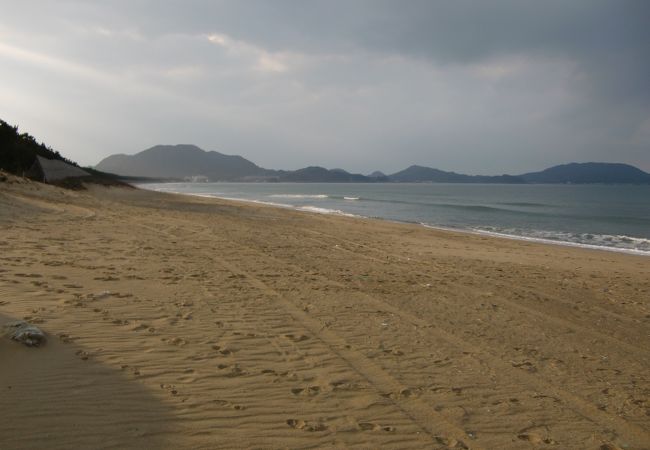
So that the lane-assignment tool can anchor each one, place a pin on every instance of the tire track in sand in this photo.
(545, 316)
(387, 383)
(431, 422)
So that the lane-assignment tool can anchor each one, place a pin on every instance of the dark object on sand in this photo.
(50, 170)
(25, 333)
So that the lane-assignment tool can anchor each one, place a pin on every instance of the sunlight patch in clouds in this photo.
(263, 61)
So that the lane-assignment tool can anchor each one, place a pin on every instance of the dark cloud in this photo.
(479, 86)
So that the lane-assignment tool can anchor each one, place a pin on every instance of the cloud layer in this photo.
(480, 87)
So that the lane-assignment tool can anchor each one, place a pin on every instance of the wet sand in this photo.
(178, 322)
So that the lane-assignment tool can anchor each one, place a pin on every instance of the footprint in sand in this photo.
(227, 404)
(450, 442)
(343, 385)
(65, 338)
(443, 362)
(82, 354)
(296, 338)
(403, 393)
(299, 424)
(222, 349)
(311, 391)
(236, 371)
(133, 370)
(609, 446)
(406, 393)
(134, 277)
(289, 376)
(144, 326)
(170, 388)
(526, 365)
(175, 341)
(106, 278)
(393, 351)
(535, 438)
(370, 426)
(120, 322)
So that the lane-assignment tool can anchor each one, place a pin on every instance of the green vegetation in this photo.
(18, 150)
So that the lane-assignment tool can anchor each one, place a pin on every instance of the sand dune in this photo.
(177, 322)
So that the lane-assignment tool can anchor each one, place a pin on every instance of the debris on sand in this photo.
(25, 333)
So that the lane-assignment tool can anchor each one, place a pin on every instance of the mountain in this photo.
(317, 174)
(420, 174)
(577, 173)
(379, 177)
(189, 161)
(581, 173)
(180, 161)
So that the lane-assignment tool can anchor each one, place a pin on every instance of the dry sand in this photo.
(177, 322)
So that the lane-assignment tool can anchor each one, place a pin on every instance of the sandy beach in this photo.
(184, 322)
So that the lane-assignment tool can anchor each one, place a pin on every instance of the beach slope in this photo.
(180, 322)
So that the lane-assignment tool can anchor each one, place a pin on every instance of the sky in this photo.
(479, 87)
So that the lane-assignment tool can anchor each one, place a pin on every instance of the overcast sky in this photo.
(482, 87)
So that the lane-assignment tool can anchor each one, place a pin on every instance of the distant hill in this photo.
(379, 177)
(189, 161)
(581, 173)
(185, 161)
(316, 174)
(576, 173)
(180, 161)
(420, 174)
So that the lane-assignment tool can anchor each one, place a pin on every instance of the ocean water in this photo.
(614, 217)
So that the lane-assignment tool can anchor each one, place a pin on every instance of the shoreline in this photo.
(339, 213)
(175, 321)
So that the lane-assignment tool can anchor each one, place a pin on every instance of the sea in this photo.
(610, 217)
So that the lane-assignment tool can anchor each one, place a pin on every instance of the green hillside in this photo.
(18, 150)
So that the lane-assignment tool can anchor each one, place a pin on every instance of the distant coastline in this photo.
(193, 164)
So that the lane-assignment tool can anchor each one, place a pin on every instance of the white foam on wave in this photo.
(562, 239)
(615, 243)
(318, 210)
(216, 195)
(160, 189)
(236, 199)
(313, 209)
(257, 202)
